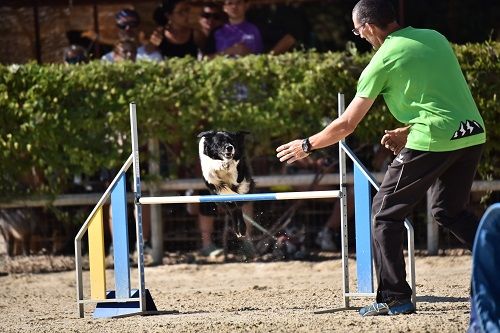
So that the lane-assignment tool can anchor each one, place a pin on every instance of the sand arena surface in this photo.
(250, 297)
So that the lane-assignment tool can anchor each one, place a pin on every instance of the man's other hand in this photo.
(395, 139)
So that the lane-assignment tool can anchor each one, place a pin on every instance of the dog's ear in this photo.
(206, 133)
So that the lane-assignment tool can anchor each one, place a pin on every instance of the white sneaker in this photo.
(211, 251)
(325, 240)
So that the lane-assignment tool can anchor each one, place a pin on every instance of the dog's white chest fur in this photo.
(223, 174)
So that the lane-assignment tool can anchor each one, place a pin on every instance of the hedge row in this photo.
(64, 120)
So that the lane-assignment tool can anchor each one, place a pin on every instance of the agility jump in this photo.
(125, 301)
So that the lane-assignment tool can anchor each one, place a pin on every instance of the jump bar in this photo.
(240, 197)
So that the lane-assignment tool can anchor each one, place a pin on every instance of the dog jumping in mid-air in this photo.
(225, 169)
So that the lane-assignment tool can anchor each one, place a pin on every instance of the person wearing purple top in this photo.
(238, 37)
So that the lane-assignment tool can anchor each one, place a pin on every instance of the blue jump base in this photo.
(123, 309)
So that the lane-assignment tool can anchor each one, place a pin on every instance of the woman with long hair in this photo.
(174, 36)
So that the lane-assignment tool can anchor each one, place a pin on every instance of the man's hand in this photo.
(291, 152)
(395, 139)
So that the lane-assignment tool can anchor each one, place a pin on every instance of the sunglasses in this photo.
(130, 25)
(214, 16)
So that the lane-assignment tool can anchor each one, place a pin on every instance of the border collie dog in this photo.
(225, 169)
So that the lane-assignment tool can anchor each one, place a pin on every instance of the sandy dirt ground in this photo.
(238, 297)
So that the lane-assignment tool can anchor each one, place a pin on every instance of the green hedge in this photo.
(65, 120)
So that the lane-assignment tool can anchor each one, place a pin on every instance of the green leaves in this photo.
(63, 120)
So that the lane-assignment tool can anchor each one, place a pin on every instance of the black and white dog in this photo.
(225, 169)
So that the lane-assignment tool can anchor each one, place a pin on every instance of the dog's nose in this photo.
(229, 148)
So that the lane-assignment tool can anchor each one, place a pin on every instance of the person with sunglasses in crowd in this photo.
(127, 22)
(211, 18)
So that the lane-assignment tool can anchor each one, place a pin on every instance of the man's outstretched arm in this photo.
(331, 134)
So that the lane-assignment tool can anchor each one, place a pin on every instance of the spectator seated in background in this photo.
(238, 37)
(282, 27)
(212, 17)
(127, 22)
(328, 238)
(124, 50)
(93, 45)
(174, 36)
(75, 54)
(206, 213)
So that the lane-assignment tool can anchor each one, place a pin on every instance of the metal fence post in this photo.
(156, 230)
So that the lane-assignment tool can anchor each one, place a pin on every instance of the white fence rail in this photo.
(89, 199)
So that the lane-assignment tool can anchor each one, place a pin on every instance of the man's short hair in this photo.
(377, 12)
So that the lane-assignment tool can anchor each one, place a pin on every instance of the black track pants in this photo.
(449, 175)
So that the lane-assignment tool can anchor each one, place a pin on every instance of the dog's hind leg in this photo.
(233, 211)
(239, 222)
(228, 208)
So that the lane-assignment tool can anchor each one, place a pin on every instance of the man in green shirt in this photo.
(418, 75)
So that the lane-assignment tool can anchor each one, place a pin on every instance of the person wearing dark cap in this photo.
(174, 36)
(127, 22)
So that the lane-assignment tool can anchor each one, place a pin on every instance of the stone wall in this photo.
(17, 28)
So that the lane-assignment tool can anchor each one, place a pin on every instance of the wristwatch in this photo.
(306, 146)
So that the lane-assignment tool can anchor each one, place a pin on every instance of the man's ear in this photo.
(371, 28)
(206, 133)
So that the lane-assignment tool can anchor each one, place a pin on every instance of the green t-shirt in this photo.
(417, 73)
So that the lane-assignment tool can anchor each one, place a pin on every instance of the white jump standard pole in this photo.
(137, 206)
(343, 209)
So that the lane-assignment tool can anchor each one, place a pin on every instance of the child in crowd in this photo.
(238, 37)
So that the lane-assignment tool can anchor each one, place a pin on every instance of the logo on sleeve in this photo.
(467, 128)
